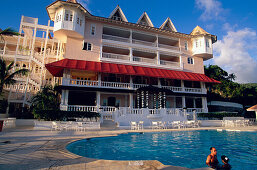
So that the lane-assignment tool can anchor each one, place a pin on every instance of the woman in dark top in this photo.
(226, 165)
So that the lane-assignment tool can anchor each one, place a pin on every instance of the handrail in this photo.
(115, 38)
(147, 43)
(115, 56)
(145, 60)
(168, 47)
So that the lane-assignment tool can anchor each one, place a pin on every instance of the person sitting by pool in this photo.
(212, 160)
(226, 165)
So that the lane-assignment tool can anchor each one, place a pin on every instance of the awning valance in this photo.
(56, 69)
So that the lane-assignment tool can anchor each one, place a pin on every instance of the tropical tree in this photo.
(7, 74)
(46, 99)
(8, 31)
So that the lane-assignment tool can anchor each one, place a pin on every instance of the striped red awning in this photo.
(56, 69)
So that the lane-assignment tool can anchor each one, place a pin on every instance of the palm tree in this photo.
(7, 75)
(8, 31)
(46, 99)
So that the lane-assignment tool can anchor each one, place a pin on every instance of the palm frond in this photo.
(9, 31)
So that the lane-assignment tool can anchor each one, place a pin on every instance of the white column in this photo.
(99, 79)
(131, 100)
(159, 82)
(130, 54)
(101, 51)
(4, 47)
(204, 104)
(183, 101)
(158, 58)
(98, 100)
(131, 82)
(66, 100)
(63, 97)
(130, 36)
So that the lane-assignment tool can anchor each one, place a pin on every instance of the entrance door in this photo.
(111, 101)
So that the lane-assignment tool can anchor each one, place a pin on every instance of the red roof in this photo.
(56, 69)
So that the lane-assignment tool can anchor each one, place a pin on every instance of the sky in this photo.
(233, 21)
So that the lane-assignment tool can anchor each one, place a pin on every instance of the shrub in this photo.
(3, 106)
(218, 115)
(65, 115)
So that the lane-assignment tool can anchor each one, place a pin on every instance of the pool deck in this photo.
(29, 148)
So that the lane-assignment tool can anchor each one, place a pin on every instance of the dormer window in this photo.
(71, 17)
(92, 32)
(207, 44)
(186, 45)
(117, 18)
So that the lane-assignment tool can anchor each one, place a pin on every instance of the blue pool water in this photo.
(186, 148)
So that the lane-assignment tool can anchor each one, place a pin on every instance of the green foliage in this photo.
(229, 90)
(60, 115)
(7, 75)
(8, 31)
(3, 106)
(46, 99)
(218, 115)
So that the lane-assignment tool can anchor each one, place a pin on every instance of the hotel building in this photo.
(113, 66)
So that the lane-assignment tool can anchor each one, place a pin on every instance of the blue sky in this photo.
(233, 21)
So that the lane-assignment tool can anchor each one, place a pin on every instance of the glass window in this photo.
(66, 17)
(92, 29)
(207, 43)
(196, 43)
(71, 17)
(185, 45)
(190, 60)
(80, 23)
(77, 20)
(87, 46)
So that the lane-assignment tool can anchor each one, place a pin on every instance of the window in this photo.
(71, 17)
(92, 29)
(66, 17)
(60, 17)
(57, 18)
(207, 43)
(196, 43)
(186, 45)
(77, 20)
(190, 60)
(80, 22)
(87, 46)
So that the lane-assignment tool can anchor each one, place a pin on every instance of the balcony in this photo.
(169, 63)
(115, 56)
(115, 38)
(144, 60)
(125, 86)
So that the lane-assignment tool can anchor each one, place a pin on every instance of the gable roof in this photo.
(120, 12)
(168, 24)
(198, 31)
(145, 17)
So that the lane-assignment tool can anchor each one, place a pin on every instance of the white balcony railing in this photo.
(82, 108)
(168, 47)
(147, 43)
(120, 85)
(115, 38)
(115, 56)
(169, 63)
(145, 60)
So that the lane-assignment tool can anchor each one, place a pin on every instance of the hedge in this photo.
(218, 115)
(60, 115)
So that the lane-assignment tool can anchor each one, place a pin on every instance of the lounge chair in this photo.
(155, 125)
(141, 125)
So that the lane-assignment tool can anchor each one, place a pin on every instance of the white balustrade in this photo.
(82, 108)
(115, 56)
(168, 47)
(154, 111)
(174, 89)
(115, 38)
(147, 43)
(145, 60)
(169, 63)
(193, 90)
(115, 85)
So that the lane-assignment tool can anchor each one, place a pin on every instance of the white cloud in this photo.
(212, 9)
(233, 54)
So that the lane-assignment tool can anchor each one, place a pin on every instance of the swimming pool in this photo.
(181, 148)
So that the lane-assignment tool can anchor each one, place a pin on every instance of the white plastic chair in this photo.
(133, 126)
(141, 125)
(155, 125)
(56, 126)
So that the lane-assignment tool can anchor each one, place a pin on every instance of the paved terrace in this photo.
(28, 148)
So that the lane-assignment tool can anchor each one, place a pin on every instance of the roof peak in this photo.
(147, 19)
(168, 25)
(198, 31)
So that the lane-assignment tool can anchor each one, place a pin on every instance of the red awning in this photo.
(56, 69)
